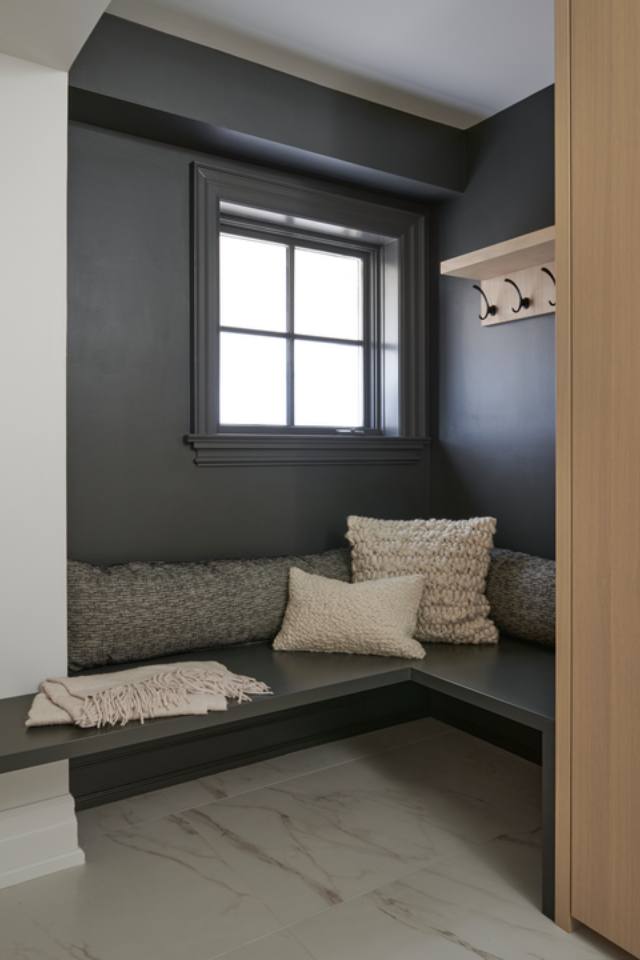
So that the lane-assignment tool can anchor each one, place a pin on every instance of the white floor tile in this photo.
(153, 892)
(308, 843)
(482, 904)
(412, 843)
(277, 946)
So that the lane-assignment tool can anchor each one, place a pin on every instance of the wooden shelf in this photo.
(530, 250)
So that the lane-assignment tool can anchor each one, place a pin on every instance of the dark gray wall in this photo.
(494, 413)
(130, 74)
(134, 492)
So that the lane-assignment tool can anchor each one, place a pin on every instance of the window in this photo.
(309, 324)
(297, 342)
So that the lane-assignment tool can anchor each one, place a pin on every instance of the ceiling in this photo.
(456, 61)
(48, 32)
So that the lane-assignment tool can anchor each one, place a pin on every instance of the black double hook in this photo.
(548, 272)
(523, 302)
(491, 308)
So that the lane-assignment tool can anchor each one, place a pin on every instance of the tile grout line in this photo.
(266, 936)
(266, 786)
(435, 862)
(288, 929)
(327, 766)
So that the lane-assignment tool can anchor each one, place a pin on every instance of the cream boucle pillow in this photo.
(329, 616)
(453, 557)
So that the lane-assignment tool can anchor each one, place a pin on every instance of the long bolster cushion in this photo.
(136, 611)
(521, 591)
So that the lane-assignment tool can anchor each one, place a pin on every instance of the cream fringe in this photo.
(169, 691)
(187, 688)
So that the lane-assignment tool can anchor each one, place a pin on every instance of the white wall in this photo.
(33, 176)
(38, 830)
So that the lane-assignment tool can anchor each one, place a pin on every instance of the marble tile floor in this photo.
(417, 842)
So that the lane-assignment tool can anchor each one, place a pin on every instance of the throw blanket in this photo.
(167, 690)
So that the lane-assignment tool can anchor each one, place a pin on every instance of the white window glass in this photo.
(253, 283)
(328, 385)
(253, 379)
(328, 294)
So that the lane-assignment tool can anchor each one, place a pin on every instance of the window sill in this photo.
(228, 450)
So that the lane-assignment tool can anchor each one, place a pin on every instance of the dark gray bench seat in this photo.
(513, 681)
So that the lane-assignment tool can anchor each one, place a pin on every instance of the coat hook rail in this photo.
(490, 308)
(523, 302)
(548, 272)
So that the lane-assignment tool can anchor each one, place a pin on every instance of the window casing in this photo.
(237, 199)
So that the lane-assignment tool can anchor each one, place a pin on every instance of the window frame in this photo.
(229, 193)
(369, 256)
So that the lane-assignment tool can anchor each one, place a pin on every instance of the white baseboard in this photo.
(38, 834)
(33, 870)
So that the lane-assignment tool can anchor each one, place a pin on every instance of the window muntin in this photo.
(295, 327)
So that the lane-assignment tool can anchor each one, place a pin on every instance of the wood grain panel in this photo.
(517, 253)
(533, 284)
(605, 251)
(563, 465)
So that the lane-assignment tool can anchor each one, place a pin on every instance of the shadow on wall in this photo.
(494, 429)
(495, 452)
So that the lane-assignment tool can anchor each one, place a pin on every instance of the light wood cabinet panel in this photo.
(564, 493)
(599, 465)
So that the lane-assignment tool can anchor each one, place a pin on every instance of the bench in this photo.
(511, 684)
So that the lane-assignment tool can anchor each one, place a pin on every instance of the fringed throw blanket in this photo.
(168, 690)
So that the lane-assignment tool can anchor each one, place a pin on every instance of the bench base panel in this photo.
(127, 772)
(123, 773)
(502, 732)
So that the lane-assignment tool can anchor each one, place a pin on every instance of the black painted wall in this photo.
(133, 489)
(134, 492)
(494, 402)
(131, 75)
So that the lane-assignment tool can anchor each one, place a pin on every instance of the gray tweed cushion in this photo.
(140, 610)
(522, 594)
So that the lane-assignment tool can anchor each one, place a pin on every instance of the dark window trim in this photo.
(400, 239)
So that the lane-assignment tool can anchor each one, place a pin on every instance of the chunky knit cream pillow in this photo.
(328, 616)
(453, 557)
